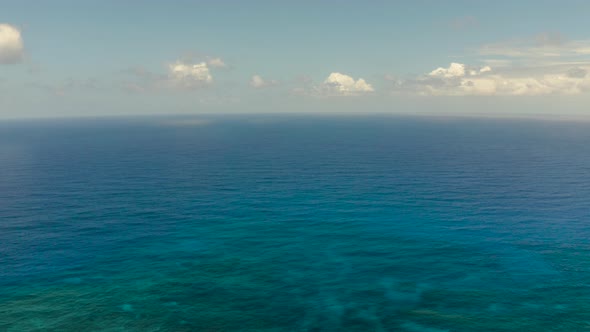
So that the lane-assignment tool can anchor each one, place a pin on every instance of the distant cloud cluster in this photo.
(11, 44)
(462, 80)
(545, 64)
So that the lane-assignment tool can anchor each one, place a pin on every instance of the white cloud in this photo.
(180, 75)
(258, 82)
(458, 70)
(216, 63)
(338, 84)
(454, 70)
(462, 80)
(189, 76)
(11, 45)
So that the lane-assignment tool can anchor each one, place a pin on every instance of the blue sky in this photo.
(88, 58)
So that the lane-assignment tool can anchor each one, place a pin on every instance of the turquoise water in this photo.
(292, 223)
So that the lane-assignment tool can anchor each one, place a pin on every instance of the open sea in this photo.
(294, 223)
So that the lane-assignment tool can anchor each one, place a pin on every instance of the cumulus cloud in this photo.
(458, 70)
(454, 70)
(189, 76)
(462, 80)
(180, 75)
(337, 84)
(11, 44)
(258, 82)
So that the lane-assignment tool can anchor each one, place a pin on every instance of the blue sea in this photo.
(294, 223)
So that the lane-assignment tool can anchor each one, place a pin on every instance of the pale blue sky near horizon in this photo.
(88, 58)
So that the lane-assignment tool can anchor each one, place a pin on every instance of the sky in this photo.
(121, 57)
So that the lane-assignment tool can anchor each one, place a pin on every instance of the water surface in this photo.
(290, 223)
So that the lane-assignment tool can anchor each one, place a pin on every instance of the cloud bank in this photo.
(462, 80)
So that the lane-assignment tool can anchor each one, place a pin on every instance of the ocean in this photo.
(294, 223)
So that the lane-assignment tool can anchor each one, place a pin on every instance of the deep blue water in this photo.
(290, 223)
